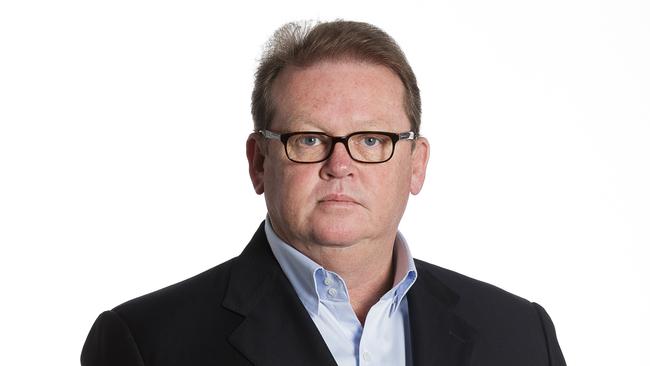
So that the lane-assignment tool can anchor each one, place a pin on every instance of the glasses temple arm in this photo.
(269, 134)
(407, 135)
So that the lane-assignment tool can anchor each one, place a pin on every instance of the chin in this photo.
(336, 233)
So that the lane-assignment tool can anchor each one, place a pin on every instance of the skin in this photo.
(340, 213)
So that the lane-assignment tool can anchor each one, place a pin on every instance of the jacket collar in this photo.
(276, 329)
(438, 335)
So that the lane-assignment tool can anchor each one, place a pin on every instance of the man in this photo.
(327, 279)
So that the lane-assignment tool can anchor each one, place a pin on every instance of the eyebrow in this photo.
(310, 125)
(303, 122)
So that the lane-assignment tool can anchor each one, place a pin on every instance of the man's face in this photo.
(338, 202)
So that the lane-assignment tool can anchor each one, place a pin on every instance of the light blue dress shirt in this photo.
(385, 337)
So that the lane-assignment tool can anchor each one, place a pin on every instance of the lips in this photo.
(338, 198)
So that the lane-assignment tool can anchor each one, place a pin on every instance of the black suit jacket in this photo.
(245, 312)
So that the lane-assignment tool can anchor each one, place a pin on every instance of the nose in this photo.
(339, 164)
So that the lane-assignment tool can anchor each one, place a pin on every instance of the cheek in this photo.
(290, 187)
(393, 186)
(395, 174)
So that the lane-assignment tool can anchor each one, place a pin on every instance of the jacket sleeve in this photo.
(555, 356)
(110, 343)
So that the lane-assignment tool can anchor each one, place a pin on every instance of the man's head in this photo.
(337, 79)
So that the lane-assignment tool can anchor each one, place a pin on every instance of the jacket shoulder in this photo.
(470, 289)
(494, 312)
(202, 291)
(501, 320)
(184, 323)
(188, 310)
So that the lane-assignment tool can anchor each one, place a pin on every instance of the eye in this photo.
(370, 141)
(309, 140)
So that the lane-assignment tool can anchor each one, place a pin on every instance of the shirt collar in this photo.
(314, 284)
(299, 269)
(405, 272)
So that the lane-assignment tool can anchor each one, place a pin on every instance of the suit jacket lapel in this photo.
(438, 336)
(276, 328)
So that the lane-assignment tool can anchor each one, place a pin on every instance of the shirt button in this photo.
(331, 292)
(328, 281)
(366, 356)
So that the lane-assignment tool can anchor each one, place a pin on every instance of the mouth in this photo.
(338, 199)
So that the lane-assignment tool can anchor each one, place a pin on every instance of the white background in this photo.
(122, 165)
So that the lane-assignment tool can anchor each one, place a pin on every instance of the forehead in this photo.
(340, 97)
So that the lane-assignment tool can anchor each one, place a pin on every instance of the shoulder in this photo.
(183, 321)
(501, 320)
(198, 302)
(206, 286)
(468, 288)
(482, 304)
(183, 305)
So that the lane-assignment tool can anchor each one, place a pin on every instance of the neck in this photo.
(367, 269)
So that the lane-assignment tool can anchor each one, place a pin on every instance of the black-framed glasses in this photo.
(363, 146)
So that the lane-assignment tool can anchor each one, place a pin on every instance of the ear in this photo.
(419, 160)
(255, 155)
